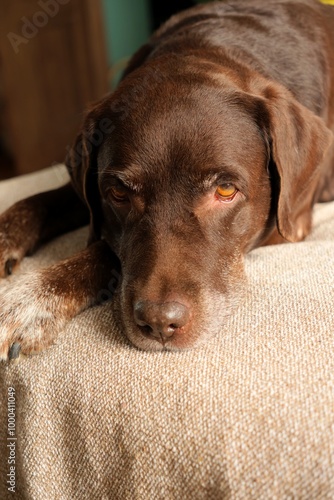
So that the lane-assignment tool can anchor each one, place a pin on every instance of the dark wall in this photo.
(162, 10)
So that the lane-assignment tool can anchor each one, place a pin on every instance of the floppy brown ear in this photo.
(81, 163)
(299, 141)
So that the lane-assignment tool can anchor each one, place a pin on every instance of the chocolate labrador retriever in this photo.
(217, 140)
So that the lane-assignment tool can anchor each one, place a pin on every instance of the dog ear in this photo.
(81, 163)
(298, 141)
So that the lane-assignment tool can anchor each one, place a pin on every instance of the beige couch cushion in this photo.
(250, 415)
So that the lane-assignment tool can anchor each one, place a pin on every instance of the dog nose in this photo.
(161, 319)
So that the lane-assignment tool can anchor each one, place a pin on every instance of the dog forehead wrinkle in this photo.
(168, 145)
(196, 103)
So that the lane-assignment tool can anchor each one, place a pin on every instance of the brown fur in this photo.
(238, 92)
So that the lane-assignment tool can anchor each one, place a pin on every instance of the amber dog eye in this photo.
(226, 192)
(119, 193)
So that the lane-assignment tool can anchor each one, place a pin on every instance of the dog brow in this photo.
(215, 175)
(209, 179)
(123, 177)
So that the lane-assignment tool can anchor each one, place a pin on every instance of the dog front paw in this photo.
(30, 316)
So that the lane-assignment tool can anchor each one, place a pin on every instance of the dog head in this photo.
(184, 171)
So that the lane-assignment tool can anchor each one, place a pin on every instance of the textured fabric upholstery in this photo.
(250, 415)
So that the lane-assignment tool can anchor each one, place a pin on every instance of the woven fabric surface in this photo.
(250, 415)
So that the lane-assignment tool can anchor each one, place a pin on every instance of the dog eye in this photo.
(226, 192)
(119, 193)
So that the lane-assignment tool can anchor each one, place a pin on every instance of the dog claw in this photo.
(9, 265)
(14, 351)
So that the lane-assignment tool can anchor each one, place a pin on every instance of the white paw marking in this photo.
(29, 315)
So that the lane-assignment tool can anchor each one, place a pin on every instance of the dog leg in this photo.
(36, 308)
(33, 221)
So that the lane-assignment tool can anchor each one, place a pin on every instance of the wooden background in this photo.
(48, 76)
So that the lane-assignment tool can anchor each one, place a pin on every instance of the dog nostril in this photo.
(160, 320)
(173, 326)
(146, 329)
